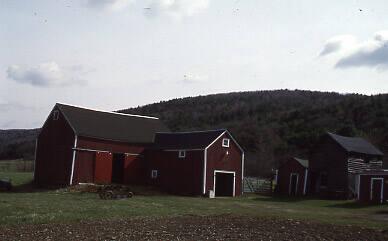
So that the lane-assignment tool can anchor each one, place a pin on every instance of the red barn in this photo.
(78, 145)
(292, 177)
(193, 163)
(335, 162)
(372, 186)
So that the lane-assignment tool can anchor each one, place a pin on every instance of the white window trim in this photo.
(55, 114)
(182, 153)
(154, 174)
(222, 171)
(223, 142)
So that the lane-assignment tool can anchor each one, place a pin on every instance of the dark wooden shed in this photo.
(78, 145)
(194, 163)
(335, 162)
(292, 177)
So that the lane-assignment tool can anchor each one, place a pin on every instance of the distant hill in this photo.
(269, 125)
(16, 144)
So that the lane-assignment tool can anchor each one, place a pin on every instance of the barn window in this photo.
(154, 174)
(182, 154)
(55, 115)
(225, 142)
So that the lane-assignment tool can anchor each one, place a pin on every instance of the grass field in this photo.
(60, 206)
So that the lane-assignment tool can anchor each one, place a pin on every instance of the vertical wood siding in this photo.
(291, 166)
(54, 152)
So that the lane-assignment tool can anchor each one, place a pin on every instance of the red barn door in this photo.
(103, 168)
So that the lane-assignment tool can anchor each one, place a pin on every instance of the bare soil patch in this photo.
(224, 227)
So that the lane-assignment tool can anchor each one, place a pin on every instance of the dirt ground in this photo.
(223, 227)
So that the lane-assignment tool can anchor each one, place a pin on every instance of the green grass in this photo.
(17, 178)
(58, 206)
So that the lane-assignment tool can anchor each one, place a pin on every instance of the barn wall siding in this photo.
(111, 146)
(218, 159)
(176, 175)
(329, 157)
(54, 152)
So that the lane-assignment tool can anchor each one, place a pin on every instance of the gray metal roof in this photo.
(303, 162)
(186, 140)
(110, 125)
(356, 145)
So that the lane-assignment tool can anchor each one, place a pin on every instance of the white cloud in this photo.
(372, 53)
(175, 8)
(338, 43)
(44, 75)
(111, 5)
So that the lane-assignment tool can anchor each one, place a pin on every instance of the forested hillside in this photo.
(269, 125)
(16, 144)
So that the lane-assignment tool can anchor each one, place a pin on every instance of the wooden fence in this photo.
(257, 185)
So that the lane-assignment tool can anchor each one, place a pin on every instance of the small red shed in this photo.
(194, 163)
(372, 186)
(78, 145)
(292, 177)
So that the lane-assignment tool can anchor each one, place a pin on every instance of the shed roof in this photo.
(111, 125)
(356, 145)
(303, 162)
(186, 140)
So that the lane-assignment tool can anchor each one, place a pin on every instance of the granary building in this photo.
(80, 145)
(337, 162)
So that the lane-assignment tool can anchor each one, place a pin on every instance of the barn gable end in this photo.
(54, 150)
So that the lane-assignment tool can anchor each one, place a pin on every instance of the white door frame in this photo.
(381, 188)
(222, 171)
(297, 182)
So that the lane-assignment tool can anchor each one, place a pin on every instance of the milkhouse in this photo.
(194, 163)
(347, 167)
(292, 177)
(77, 145)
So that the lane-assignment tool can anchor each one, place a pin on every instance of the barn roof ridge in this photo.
(186, 140)
(110, 112)
(355, 144)
(188, 132)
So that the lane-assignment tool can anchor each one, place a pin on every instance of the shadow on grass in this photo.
(29, 187)
(280, 199)
(352, 205)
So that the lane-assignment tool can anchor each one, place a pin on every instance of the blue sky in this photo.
(113, 54)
